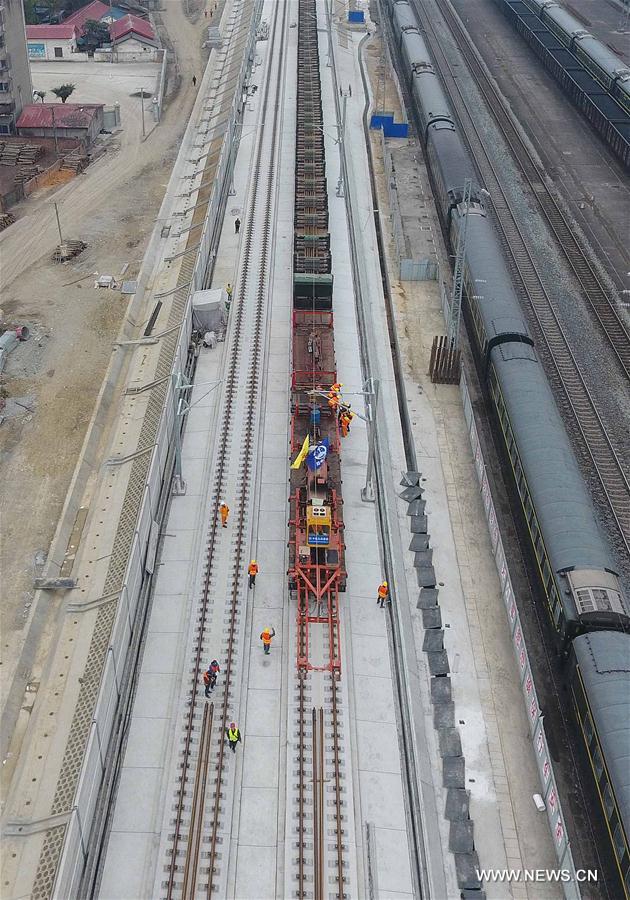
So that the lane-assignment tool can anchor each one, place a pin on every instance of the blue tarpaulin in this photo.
(356, 15)
(390, 128)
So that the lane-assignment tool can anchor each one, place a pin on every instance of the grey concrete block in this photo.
(450, 742)
(453, 771)
(423, 558)
(457, 805)
(418, 524)
(419, 542)
(432, 618)
(444, 715)
(441, 690)
(428, 598)
(409, 479)
(426, 576)
(461, 839)
(411, 493)
(438, 663)
(433, 640)
(473, 895)
(416, 508)
(467, 866)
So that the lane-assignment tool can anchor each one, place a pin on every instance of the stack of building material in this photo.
(10, 154)
(25, 173)
(76, 161)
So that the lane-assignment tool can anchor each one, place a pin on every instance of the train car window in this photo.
(598, 763)
(609, 803)
(538, 544)
(546, 573)
(587, 725)
(557, 607)
(619, 842)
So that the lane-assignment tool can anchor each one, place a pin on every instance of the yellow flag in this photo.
(299, 459)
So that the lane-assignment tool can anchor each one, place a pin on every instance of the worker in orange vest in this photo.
(383, 594)
(265, 636)
(224, 510)
(252, 571)
(334, 395)
(345, 418)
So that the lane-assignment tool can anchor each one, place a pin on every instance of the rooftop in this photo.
(66, 115)
(65, 31)
(133, 24)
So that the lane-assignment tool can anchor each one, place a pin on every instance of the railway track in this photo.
(199, 818)
(551, 340)
(321, 838)
(593, 291)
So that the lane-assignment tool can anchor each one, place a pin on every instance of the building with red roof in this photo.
(51, 41)
(131, 30)
(47, 42)
(83, 121)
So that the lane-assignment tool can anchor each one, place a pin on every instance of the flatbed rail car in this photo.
(316, 534)
(606, 112)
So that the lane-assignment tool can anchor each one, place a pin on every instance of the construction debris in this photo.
(67, 250)
(6, 219)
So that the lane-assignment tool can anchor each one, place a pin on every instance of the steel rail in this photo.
(550, 336)
(231, 384)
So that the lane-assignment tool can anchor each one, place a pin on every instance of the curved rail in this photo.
(551, 339)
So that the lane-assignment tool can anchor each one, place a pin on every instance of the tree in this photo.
(39, 95)
(63, 91)
(95, 34)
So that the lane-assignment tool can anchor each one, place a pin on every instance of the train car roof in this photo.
(451, 159)
(416, 48)
(564, 19)
(604, 661)
(404, 15)
(563, 505)
(601, 54)
(493, 290)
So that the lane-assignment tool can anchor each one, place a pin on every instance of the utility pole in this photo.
(371, 389)
(142, 108)
(58, 224)
(458, 276)
(111, 16)
(342, 136)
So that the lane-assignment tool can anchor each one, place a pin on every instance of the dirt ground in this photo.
(55, 377)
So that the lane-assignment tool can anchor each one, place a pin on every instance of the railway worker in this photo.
(209, 680)
(233, 736)
(194, 81)
(224, 511)
(252, 571)
(237, 225)
(265, 636)
(345, 418)
(228, 291)
(383, 594)
(334, 397)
